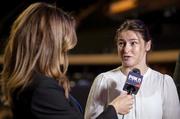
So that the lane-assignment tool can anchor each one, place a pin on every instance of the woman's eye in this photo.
(133, 43)
(121, 44)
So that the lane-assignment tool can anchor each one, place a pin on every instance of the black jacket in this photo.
(45, 99)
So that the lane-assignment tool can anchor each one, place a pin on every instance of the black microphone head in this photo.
(133, 82)
(136, 70)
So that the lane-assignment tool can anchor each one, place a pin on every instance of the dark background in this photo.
(96, 26)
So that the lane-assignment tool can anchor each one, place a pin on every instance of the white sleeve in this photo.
(171, 106)
(97, 98)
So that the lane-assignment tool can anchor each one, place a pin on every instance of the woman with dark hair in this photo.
(157, 97)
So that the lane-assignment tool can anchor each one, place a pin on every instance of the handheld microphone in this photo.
(133, 82)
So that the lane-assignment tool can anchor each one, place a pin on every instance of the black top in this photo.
(45, 99)
(176, 75)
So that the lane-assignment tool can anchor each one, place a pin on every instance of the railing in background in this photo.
(100, 59)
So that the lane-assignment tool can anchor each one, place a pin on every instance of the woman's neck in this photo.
(126, 70)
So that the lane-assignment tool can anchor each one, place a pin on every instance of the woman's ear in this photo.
(148, 45)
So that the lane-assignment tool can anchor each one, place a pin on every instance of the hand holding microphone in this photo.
(123, 103)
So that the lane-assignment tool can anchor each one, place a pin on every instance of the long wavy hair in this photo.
(39, 41)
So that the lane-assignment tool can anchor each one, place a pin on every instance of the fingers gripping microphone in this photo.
(133, 82)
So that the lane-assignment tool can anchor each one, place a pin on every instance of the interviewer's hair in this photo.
(39, 41)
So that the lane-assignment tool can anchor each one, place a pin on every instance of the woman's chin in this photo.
(128, 64)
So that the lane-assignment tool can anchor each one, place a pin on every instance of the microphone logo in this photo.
(133, 82)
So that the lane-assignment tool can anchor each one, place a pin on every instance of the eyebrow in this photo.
(134, 39)
(129, 39)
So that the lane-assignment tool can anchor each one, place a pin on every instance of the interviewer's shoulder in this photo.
(40, 80)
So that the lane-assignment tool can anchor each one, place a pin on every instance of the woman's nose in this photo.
(127, 48)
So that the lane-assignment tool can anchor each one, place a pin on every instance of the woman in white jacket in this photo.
(157, 97)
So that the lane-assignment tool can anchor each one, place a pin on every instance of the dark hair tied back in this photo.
(137, 26)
